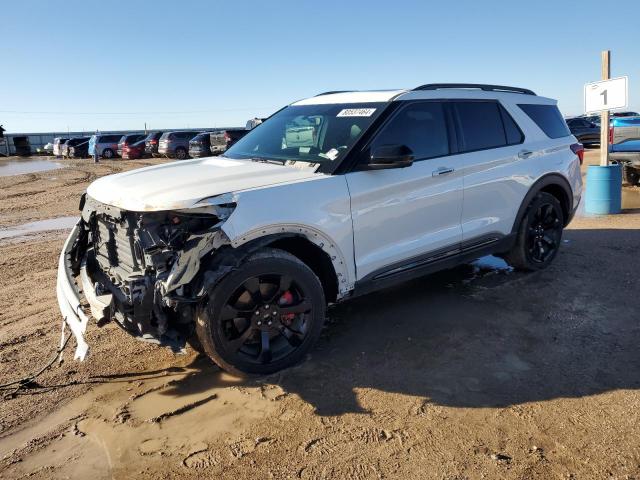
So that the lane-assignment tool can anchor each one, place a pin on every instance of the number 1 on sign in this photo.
(604, 96)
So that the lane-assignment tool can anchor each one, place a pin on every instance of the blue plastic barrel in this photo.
(604, 189)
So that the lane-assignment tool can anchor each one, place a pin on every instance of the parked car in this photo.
(151, 144)
(199, 146)
(105, 144)
(220, 141)
(48, 148)
(175, 144)
(133, 151)
(76, 147)
(248, 248)
(127, 140)
(624, 114)
(57, 145)
(586, 132)
(624, 148)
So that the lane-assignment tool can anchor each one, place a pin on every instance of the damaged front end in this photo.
(139, 269)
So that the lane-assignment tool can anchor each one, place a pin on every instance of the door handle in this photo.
(441, 171)
(524, 153)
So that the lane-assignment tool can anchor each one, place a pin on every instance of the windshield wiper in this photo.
(267, 160)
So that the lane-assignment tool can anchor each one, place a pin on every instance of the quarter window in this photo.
(511, 129)
(419, 126)
(548, 118)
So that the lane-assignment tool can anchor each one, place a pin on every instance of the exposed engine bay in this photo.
(141, 269)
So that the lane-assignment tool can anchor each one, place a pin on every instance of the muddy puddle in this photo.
(176, 413)
(60, 223)
(20, 166)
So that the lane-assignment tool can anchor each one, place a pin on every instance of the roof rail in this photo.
(481, 86)
(331, 92)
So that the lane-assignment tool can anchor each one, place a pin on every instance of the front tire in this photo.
(264, 316)
(539, 234)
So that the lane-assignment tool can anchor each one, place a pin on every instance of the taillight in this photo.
(578, 149)
(610, 134)
(153, 142)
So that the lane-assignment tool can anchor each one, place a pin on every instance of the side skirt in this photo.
(434, 262)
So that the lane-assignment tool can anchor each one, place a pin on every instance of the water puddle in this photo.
(20, 166)
(60, 223)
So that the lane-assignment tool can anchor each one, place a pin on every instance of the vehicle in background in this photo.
(151, 143)
(106, 145)
(586, 132)
(48, 148)
(219, 142)
(57, 144)
(624, 148)
(133, 151)
(199, 146)
(127, 140)
(175, 144)
(253, 123)
(624, 114)
(72, 144)
(79, 151)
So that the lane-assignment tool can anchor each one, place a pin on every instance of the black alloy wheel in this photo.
(539, 234)
(264, 320)
(264, 316)
(544, 233)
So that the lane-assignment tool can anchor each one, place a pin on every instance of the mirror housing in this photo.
(390, 156)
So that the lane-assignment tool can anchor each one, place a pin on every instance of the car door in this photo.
(403, 215)
(490, 146)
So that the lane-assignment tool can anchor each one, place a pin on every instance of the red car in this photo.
(133, 151)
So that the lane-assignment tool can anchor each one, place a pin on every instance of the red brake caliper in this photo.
(286, 299)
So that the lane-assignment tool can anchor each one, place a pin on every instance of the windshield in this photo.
(320, 134)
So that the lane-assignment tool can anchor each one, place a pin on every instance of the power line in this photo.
(184, 112)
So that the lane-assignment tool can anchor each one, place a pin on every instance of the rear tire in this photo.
(539, 234)
(630, 175)
(107, 153)
(181, 153)
(264, 316)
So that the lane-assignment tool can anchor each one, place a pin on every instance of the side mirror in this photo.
(390, 156)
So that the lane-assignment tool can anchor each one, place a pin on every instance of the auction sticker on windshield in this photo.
(356, 112)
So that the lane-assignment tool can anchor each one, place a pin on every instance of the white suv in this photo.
(331, 197)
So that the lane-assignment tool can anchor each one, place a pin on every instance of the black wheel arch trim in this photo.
(550, 179)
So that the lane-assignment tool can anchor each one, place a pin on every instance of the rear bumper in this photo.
(626, 157)
(199, 153)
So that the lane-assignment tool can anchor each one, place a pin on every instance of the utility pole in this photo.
(604, 115)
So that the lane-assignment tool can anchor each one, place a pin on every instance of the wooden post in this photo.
(604, 116)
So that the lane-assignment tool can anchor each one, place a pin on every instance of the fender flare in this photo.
(541, 183)
(272, 233)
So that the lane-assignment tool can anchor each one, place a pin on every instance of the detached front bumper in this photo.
(69, 295)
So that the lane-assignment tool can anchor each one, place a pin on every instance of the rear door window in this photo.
(548, 118)
(480, 126)
(421, 127)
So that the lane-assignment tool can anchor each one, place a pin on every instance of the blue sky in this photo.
(114, 65)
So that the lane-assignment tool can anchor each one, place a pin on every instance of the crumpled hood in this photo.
(182, 184)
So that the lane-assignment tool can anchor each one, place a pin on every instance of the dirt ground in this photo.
(472, 373)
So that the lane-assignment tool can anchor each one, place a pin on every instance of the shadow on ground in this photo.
(465, 338)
